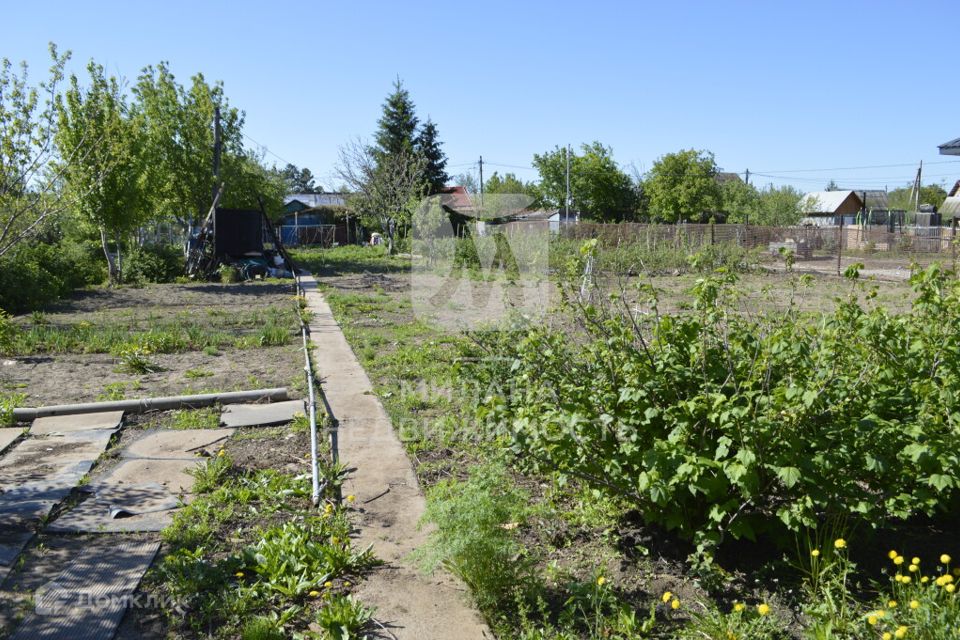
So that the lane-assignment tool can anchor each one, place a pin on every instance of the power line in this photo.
(875, 166)
(267, 149)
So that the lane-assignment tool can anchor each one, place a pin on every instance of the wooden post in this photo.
(839, 243)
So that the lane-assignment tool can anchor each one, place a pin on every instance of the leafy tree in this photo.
(106, 177)
(299, 180)
(179, 144)
(428, 145)
(397, 127)
(832, 186)
(683, 185)
(777, 206)
(385, 188)
(30, 172)
(929, 194)
(738, 200)
(599, 188)
(467, 180)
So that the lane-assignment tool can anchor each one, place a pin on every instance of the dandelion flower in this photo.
(739, 606)
(898, 560)
(887, 635)
(601, 581)
(239, 574)
(346, 583)
(327, 584)
(892, 555)
(815, 553)
(351, 498)
(892, 604)
(666, 597)
(314, 594)
(913, 568)
(906, 580)
(839, 543)
(915, 560)
(945, 559)
(763, 609)
(675, 604)
(925, 579)
(900, 632)
(221, 453)
(872, 620)
(951, 588)
(914, 604)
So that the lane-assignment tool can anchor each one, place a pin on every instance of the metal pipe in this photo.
(312, 407)
(278, 394)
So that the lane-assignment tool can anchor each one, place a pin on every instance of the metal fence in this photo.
(818, 248)
(323, 235)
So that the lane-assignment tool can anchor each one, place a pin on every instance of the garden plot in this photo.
(155, 341)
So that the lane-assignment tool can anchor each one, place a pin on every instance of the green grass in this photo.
(205, 418)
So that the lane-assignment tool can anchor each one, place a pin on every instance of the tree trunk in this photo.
(111, 267)
(116, 241)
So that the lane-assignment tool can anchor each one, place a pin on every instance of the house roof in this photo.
(311, 200)
(951, 148)
(826, 201)
(456, 198)
(727, 176)
(875, 198)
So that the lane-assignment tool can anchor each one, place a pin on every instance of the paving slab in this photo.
(119, 509)
(260, 415)
(175, 444)
(78, 422)
(8, 436)
(87, 600)
(413, 606)
(12, 542)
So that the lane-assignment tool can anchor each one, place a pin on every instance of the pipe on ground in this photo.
(277, 394)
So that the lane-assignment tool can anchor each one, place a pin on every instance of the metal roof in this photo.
(950, 207)
(825, 201)
(951, 148)
(312, 200)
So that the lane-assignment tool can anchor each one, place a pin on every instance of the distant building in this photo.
(951, 148)
(828, 208)
(316, 218)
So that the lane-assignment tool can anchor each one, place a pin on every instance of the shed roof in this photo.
(311, 200)
(951, 148)
(827, 202)
(950, 207)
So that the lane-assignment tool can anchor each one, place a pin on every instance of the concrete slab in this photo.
(172, 475)
(8, 436)
(87, 600)
(12, 542)
(260, 415)
(80, 422)
(175, 445)
(117, 509)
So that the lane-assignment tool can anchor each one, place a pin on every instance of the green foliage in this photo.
(343, 618)
(900, 198)
(474, 538)
(683, 186)
(205, 418)
(716, 424)
(7, 332)
(262, 628)
(508, 184)
(212, 473)
(397, 127)
(229, 274)
(35, 274)
(428, 145)
(137, 360)
(600, 188)
(272, 335)
(153, 263)
(9, 402)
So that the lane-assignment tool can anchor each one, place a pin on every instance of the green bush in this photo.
(153, 263)
(716, 423)
(36, 273)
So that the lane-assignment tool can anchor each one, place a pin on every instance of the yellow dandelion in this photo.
(900, 632)
(739, 606)
(601, 581)
(675, 604)
(898, 578)
(892, 604)
(314, 594)
(815, 553)
(906, 580)
(221, 453)
(346, 583)
(887, 635)
(327, 584)
(665, 598)
(839, 543)
(872, 620)
(898, 560)
(334, 540)
(925, 579)
(763, 609)
(951, 588)
(892, 554)
(239, 574)
(947, 578)
(351, 498)
(915, 560)
(945, 559)
(914, 604)
(913, 568)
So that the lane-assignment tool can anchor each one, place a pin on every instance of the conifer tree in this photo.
(397, 127)
(428, 145)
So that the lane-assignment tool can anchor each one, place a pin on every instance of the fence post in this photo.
(712, 228)
(839, 243)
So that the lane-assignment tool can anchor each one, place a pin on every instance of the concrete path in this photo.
(412, 605)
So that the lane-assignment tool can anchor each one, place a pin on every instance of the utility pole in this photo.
(481, 181)
(566, 202)
(746, 178)
(916, 206)
(216, 151)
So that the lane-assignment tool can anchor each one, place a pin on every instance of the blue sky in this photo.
(770, 86)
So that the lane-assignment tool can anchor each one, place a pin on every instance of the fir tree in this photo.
(398, 124)
(428, 145)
